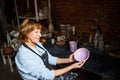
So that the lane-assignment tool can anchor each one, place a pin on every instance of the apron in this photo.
(44, 57)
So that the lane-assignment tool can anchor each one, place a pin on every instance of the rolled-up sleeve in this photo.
(52, 59)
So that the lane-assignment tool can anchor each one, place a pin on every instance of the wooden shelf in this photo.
(34, 18)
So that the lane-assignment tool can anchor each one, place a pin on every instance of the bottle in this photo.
(43, 38)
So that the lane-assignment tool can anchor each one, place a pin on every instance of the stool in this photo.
(7, 53)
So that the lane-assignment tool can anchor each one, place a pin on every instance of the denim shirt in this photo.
(31, 66)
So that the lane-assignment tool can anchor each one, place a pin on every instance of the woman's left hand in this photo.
(71, 58)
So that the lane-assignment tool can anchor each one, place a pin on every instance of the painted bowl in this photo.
(81, 54)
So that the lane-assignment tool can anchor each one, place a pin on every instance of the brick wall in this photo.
(82, 13)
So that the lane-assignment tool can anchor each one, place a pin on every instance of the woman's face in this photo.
(34, 36)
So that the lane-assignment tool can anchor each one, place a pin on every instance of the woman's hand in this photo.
(77, 64)
(68, 68)
(71, 58)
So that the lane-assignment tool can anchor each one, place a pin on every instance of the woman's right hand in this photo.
(68, 68)
(77, 64)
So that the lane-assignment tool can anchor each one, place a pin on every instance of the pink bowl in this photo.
(81, 54)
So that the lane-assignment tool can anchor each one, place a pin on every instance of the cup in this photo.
(52, 41)
(73, 46)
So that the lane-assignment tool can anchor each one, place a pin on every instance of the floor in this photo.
(6, 74)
